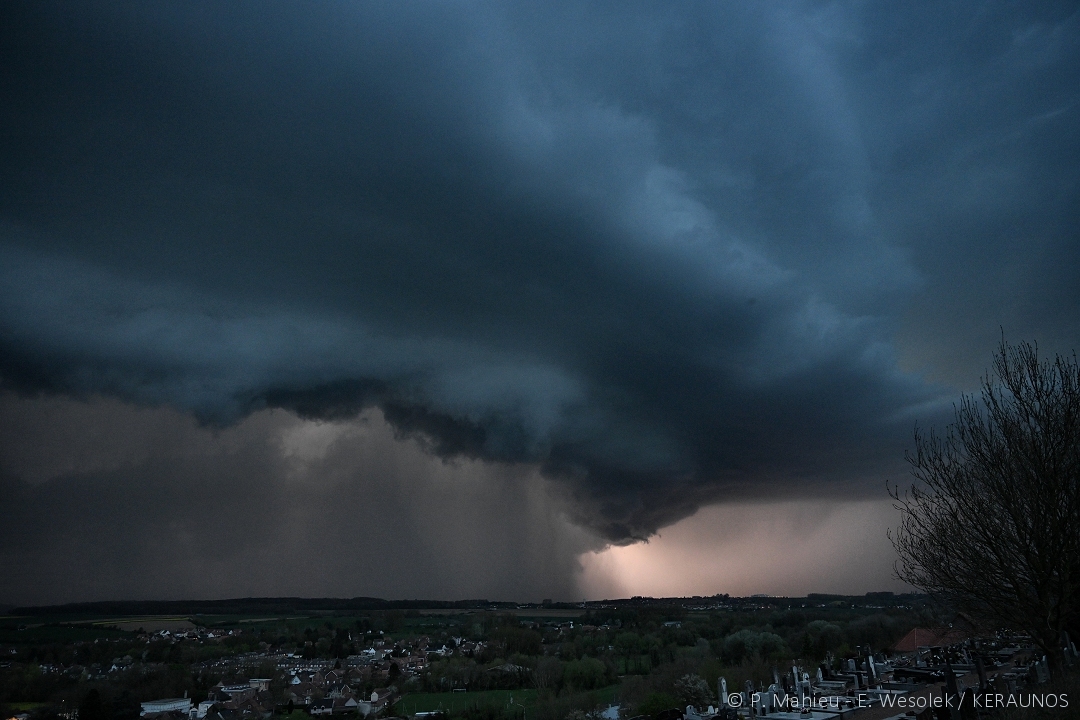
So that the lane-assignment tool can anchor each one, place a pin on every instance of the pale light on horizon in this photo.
(787, 548)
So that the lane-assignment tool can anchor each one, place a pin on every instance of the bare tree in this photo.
(991, 525)
(547, 673)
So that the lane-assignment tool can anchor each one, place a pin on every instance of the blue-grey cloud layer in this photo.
(663, 251)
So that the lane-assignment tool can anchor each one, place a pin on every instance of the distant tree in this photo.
(877, 631)
(585, 674)
(825, 635)
(518, 640)
(337, 646)
(747, 645)
(991, 525)
(548, 672)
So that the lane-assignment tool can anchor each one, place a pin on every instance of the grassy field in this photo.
(606, 695)
(451, 701)
(456, 701)
(26, 706)
(148, 624)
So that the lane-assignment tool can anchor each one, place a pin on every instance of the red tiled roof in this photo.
(923, 637)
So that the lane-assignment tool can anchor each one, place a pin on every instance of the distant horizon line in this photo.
(368, 603)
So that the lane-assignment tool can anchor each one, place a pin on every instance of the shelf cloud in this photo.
(651, 258)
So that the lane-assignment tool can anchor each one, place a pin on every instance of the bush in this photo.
(692, 690)
(657, 703)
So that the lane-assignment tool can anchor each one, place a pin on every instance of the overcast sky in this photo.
(470, 299)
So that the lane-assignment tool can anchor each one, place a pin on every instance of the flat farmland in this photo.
(519, 612)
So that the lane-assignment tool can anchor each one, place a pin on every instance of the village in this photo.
(719, 659)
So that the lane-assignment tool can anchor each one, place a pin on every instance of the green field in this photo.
(26, 706)
(454, 701)
(457, 701)
(606, 695)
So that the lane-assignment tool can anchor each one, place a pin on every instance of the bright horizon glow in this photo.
(789, 548)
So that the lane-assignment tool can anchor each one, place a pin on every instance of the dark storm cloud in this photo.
(661, 252)
(271, 506)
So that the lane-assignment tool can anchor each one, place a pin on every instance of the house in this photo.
(923, 637)
(298, 697)
(236, 693)
(153, 707)
(380, 698)
(321, 707)
(256, 708)
(342, 690)
(345, 705)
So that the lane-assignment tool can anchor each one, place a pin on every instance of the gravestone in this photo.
(951, 691)
(1042, 671)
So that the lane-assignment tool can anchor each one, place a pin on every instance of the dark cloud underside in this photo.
(669, 255)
